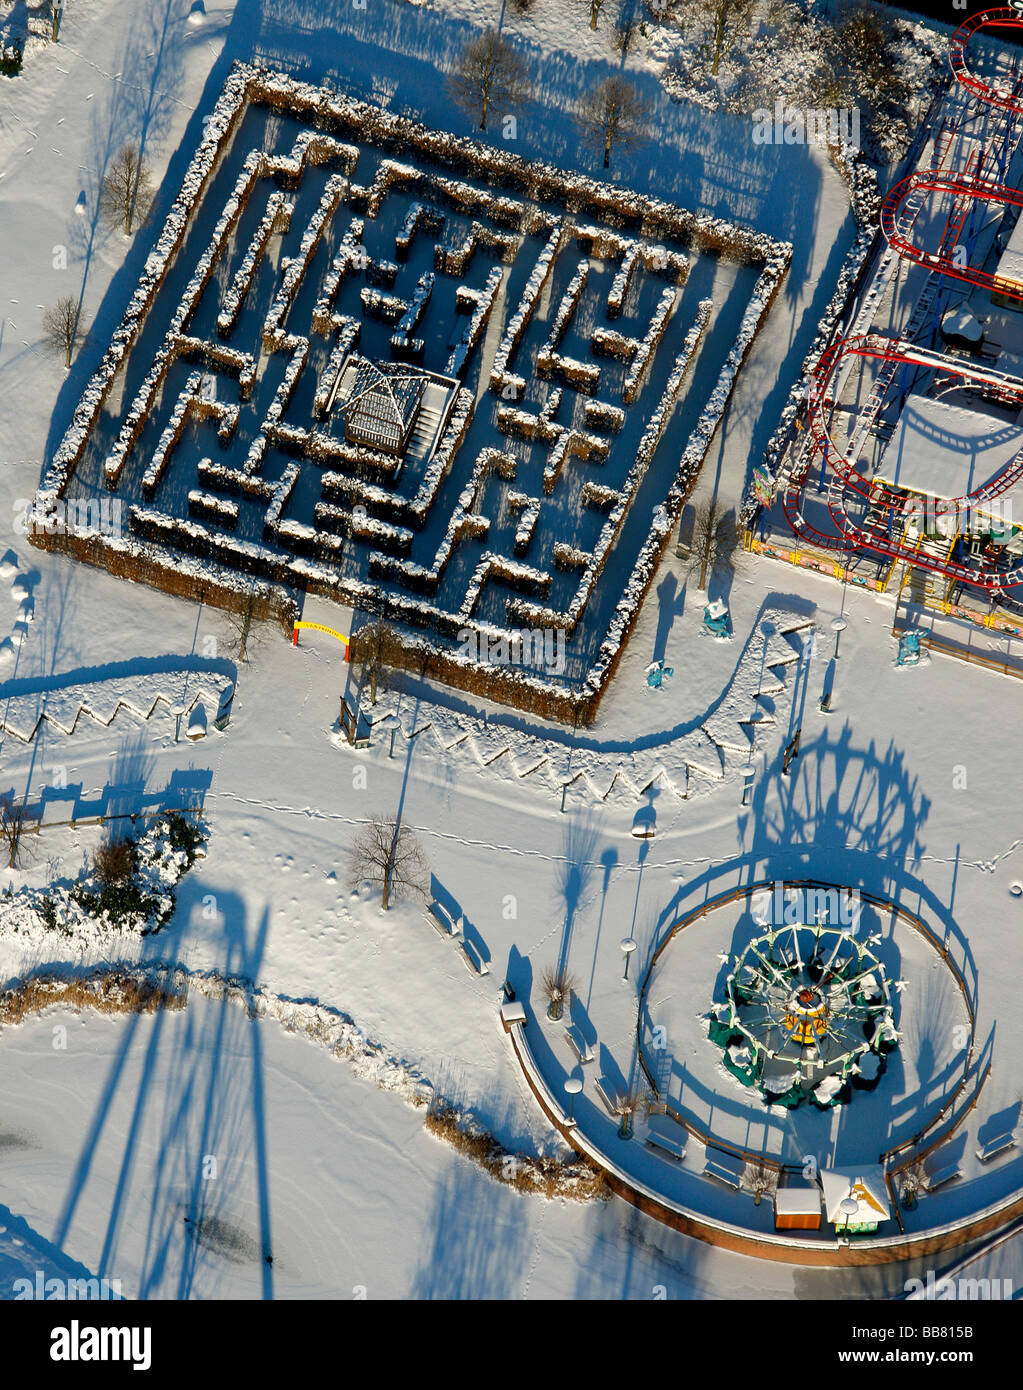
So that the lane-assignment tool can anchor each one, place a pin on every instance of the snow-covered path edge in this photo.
(558, 1172)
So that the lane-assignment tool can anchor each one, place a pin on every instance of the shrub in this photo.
(125, 904)
(47, 910)
(109, 992)
(557, 984)
(546, 1175)
(186, 835)
(115, 862)
(10, 58)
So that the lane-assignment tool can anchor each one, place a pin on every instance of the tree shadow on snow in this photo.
(204, 1206)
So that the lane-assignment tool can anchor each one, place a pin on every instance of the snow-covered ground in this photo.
(902, 788)
(103, 1145)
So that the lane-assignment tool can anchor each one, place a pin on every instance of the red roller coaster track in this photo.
(960, 186)
(846, 484)
(1005, 17)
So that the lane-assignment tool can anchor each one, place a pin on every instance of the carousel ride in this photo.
(807, 1014)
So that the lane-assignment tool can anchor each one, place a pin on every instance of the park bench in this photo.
(686, 526)
(473, 959)
(578, 1044)
(943, 1175)
(441, 920)
(721, 1170)
(998, 1145)
(606, 1093)
(659, 1137)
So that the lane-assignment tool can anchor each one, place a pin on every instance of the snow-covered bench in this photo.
(441, 920)
(998, 1145)
(473, 959)
(722, 1171)
(943, 1175)
(606, 1093)
(660, 1137)
(578, 1043)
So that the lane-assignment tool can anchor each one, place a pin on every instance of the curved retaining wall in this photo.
(761, 1245)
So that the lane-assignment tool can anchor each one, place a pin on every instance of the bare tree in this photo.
(246, 628)
(13, 824)
(715, 546)
(612, 114)
(595, 8)
(376, 648)
(62, 327)
(724, 23)
(557, 984)
(489, 76)
(627, 1104)
(127, 189)
(625, 29)
(388, 855)
(760, 1179)
(865, 44)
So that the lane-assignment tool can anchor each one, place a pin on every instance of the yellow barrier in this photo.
(321, 627)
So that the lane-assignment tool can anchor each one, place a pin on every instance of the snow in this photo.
(947, 450)
(827, 1089)
(378, 1202)
(962, 324)
(1010, 263)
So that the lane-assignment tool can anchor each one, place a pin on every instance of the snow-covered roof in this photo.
(797, 1201)
(1010, 265)
(828, 1088)
(947, 450)
(962, 324)
(865, 1186)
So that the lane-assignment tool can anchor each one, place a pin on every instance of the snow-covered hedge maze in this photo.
(379, 363)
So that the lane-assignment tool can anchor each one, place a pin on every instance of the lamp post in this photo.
(177, 712)
(572, 1088)
(838, 626)
(628, 945)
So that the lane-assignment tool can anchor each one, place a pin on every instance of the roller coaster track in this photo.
(1003, 17)
(966, 190)
(847, 484)
(899, 213)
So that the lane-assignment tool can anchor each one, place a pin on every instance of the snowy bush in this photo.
(129, 889)
(519, 321)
